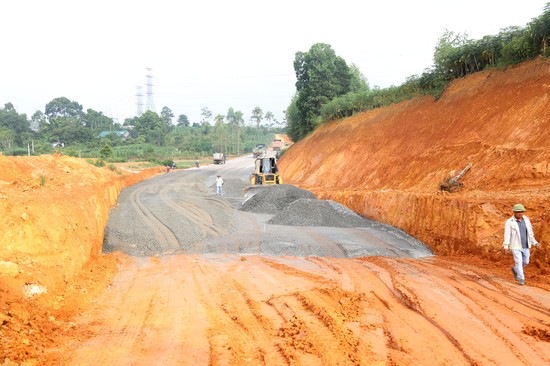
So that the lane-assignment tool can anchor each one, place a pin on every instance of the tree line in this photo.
(327, 89)
(65, 126)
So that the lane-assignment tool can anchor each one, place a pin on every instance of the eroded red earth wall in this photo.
(388, 164)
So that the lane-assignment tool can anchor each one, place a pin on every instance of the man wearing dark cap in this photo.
(518, 238)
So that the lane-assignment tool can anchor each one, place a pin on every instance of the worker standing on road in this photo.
(219, 184)
(518, 238)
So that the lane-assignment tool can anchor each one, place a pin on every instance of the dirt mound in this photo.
(388, 164)
(314, 212)
(273, 199)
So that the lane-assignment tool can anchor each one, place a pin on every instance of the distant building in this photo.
(121, 134)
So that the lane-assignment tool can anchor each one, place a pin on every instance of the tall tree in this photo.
(183, 120)
(235, 120)
(269, 117)
(206, 115)
(17, 123)
(320, 77)
(167, 115)
(63, 107)
(358, 82)
(152, 127)
(97, 120)
(257, 116)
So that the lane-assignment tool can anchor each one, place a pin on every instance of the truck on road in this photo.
(219, 158)
(259, 150)
(277, 145)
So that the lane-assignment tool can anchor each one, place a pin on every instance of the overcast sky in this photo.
(219, 53)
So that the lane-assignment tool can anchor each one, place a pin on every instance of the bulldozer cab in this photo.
(265, 172)
(265, 175)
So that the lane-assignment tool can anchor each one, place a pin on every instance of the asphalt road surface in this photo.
(180, 213)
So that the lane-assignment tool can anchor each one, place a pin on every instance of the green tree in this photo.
(63, 107)
(321, 76)
(358, 82)
(257, 116)
(183, 120)
(18, 123)
(69, 131)
(152, 127)
(7, 138)
(206, 115)
(295, 127)
(106, 152)
(235, 121)
(269, 116)
(38, 121)
(97, 120)
(167, 115)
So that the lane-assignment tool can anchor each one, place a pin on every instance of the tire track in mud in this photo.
(238, 333)
(390, 315)
(236, 310)
(160, 319)
(161, 232)
(197, 216)
(469, 304)
(322, 324)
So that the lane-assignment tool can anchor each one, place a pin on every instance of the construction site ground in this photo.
(206, 294)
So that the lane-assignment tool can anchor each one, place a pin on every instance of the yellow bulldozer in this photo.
(265, 174)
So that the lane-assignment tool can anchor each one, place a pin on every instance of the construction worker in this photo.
(518, 238)
(219, 184)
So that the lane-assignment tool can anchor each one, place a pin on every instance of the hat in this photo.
(518, 207)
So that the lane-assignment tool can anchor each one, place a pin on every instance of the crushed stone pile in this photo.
(314, 212)
(274, 199)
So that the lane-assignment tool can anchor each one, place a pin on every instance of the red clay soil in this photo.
(388, 164)
(63, 303)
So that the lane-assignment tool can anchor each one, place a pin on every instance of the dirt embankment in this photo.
(53, 215)
(387, 164)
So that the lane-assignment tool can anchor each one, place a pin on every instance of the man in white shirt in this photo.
(518, 238)
(219, 184)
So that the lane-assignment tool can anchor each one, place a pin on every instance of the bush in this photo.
(98, 162)
(16, 152)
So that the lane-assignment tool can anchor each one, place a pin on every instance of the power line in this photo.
(150, 103)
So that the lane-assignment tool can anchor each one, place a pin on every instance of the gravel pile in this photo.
(314, 212)
(275, 198)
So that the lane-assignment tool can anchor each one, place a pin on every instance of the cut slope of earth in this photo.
(388, 164)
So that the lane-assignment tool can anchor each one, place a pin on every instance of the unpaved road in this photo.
(244, 307)
(179, 213)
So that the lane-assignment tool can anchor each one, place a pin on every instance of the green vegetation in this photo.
(64, 127)
(323, 91)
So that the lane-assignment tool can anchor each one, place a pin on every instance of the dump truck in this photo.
(277, 145)
(265, 174)
(259, 150)
(219, 158)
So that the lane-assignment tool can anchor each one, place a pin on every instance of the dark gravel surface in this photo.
(275, 198)
(180, 213)
(314, 212)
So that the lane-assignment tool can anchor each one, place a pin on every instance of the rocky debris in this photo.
(314, 212)
(273, 199)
